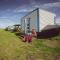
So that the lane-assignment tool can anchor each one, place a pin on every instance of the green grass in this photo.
(12, 48)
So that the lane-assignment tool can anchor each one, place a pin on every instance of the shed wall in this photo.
(46, 19)
(33, 21)
(38, 20)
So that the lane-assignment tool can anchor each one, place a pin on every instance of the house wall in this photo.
(33, 21)
(45, 19)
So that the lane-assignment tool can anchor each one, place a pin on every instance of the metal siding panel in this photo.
(38, 20)
(33, 21)
(46, 19)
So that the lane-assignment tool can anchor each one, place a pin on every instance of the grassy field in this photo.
(12, 48)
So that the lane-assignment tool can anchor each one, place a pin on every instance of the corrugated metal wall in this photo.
(46, 19)
(33, 21)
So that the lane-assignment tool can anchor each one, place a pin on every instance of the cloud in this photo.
(58, 19)
(12, 16)
(57, 4)
(53, 7)
(48, 5)
(6, 22)
(3, 17)
(33, 5)
(23, 10)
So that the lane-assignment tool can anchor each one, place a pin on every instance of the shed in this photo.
(39, 20)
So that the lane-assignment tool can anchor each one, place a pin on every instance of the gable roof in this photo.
(35, 10)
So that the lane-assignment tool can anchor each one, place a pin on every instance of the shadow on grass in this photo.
(48, 33)
(44, 34)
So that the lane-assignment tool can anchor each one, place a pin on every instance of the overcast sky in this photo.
(11, 11)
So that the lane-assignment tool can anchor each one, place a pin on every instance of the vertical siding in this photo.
(22, 24)
(46, 19)
(39, 20)
(33, 20)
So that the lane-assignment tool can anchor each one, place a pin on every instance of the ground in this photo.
(12, 48)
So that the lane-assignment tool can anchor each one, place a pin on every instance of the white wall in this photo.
(23, 25)
(33, 20)
(46, 19)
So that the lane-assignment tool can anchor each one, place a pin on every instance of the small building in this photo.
(39, 20)
(17, 26)
(13, 27)
(10, 28)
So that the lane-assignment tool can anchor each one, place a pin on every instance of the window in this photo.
(27, 27)
(27, 24)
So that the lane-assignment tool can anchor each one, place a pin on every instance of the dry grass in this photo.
(12, 48)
